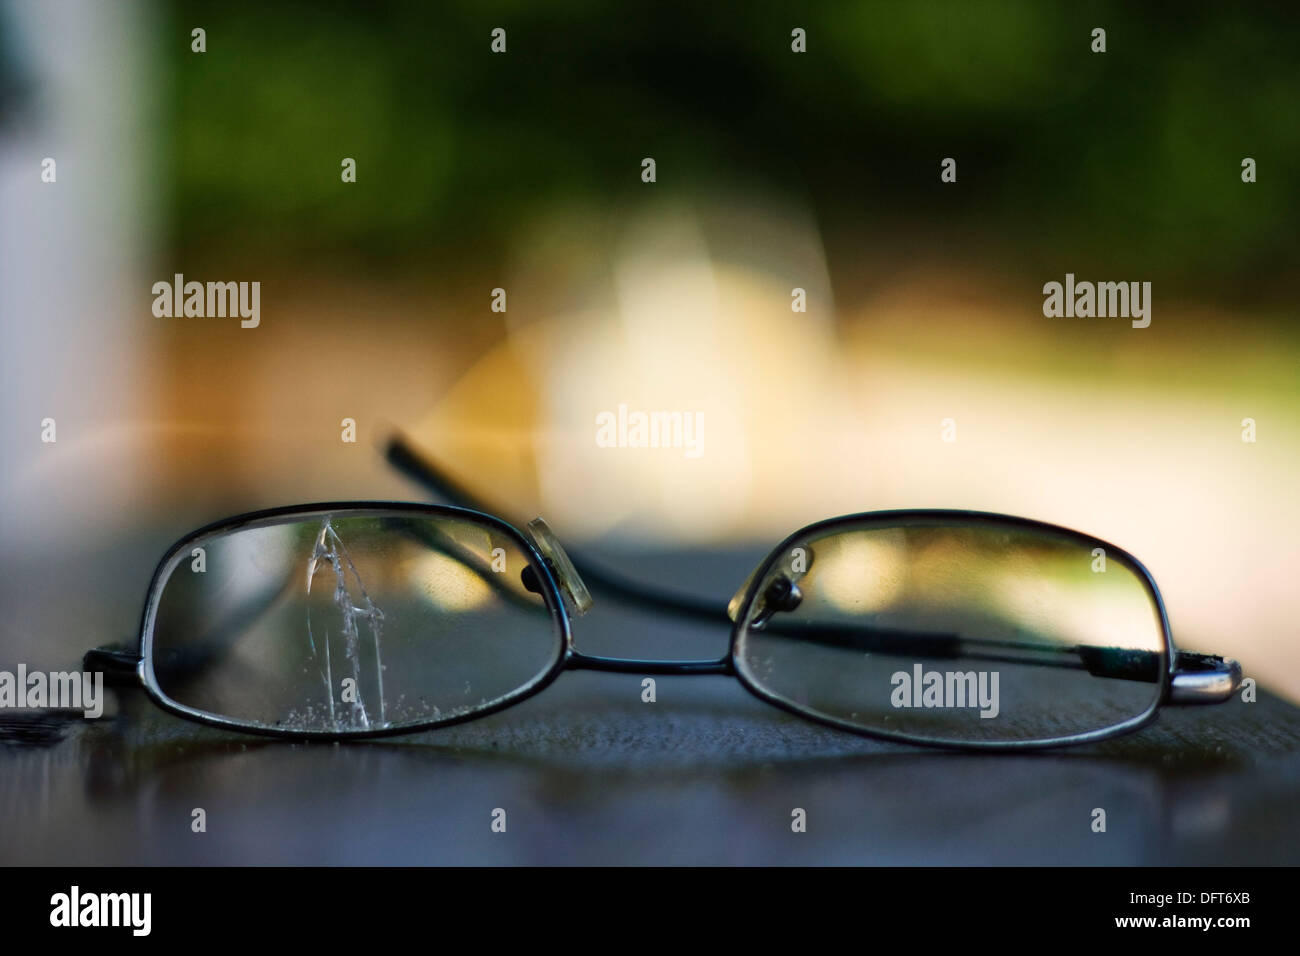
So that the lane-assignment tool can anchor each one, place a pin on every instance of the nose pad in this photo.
(781, 595)
(574, 592)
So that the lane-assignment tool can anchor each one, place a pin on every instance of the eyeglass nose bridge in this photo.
(577, 599)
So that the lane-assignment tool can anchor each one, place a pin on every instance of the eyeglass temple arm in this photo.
(120, 667)
(1203, 678)
(1197, 678)
(402, 455)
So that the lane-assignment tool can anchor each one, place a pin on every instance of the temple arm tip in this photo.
(1203, 678)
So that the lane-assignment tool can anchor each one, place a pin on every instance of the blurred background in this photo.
(774, 171)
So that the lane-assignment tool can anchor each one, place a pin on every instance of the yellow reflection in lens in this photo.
(446, 583)
(1006, 587)
(860, 573)
(1109, 609)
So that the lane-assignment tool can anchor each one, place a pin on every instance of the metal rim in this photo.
(550, 593)
(903, 515)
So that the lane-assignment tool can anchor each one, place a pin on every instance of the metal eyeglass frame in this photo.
(1184, 677)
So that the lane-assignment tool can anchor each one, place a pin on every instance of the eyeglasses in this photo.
(940, 628)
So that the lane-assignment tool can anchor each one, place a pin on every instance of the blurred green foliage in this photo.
(1126, 162)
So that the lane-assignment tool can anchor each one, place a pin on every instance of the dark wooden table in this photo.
(588, 773)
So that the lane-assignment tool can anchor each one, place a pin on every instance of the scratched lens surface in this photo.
(350, 622)
(957, 630)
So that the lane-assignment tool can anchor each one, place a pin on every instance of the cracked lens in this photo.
(352, 621)
(329, 548)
